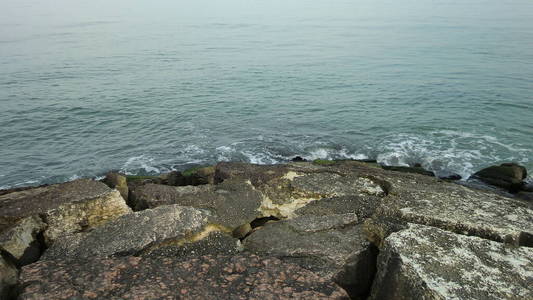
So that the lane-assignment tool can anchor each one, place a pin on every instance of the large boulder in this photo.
(233, 202)
(427, 201)
(287, 188)
(509, 176)
(8, 278)
(204, 277)
(428, 263)
(332, 246)
(54, 211)
(136, 233)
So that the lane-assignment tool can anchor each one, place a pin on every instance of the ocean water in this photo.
(152, 86)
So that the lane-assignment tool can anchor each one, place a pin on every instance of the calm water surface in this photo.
(150, 86)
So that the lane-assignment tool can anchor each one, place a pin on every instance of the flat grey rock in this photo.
(424, 262)
(458, 209)
(136, 232)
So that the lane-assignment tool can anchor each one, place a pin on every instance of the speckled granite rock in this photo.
(424, 262)
(232, 203)
(21, 241)
(133, 233)
(65, 208)
(8, 277)
(205, 277)
(333, 246)
(459, 209)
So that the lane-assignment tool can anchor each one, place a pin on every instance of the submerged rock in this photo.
(65, 208)
(204, 277)
(333, 246)
(428, 263)
(137, 232)
(508, 176)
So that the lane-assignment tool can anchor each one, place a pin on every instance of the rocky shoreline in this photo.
(313, 230)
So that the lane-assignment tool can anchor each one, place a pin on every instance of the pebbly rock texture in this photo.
(204, 277)
(508, 176)
(427, 263)
(214, 243)
(333, 246)
(363, 206)
(232, 203)
(52, 212)
(8, 278)
(426, 201)
(131, 234)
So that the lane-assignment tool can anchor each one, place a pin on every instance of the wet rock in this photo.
(65, 208)
(416, 170)
(527, 187)
(21, 240)
(136, 232)
(119, 182)
(233, 202)
(204, 277)
(428, 263)
(528, 196)
(332, 246)
(8, 278)
(173, 178)
(256, 174)
(508, 176)
(298, 159)
(199, 175)
(450, 176)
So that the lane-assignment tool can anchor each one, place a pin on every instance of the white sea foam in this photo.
(448, 151)
(143, 162)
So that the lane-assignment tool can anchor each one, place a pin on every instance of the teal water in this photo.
(151, 86)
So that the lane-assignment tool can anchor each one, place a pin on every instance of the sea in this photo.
(146, 87)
